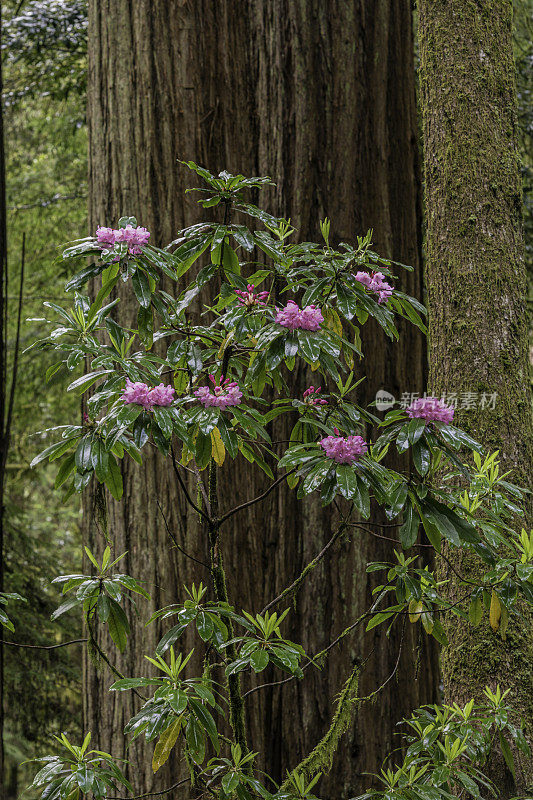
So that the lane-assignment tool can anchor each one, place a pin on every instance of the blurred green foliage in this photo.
(44, 63)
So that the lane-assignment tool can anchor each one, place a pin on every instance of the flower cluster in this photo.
(224, 394)
(294, 317)
(311, 397)
(431, 409)
(135, 238)
(375, 283)
(250, 297)
(344, 449)
(143, 395)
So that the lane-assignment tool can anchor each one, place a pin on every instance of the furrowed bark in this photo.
(321, 97)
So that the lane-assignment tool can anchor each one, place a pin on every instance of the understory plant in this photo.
(200, 378)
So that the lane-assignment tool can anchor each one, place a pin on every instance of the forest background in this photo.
(44, 46)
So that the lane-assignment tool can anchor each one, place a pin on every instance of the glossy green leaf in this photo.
(409, 530)
(141, 287)
(118, 625)
(113, 478)
(259, 660)
(195, 740)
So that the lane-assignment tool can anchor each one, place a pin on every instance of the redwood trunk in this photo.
(320, 96)
(477, 296)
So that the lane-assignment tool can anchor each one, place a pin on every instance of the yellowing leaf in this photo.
(357, 339)
(415, 609)
(166, 742)
(314, 366)
(292, 480)
(475, 612)
(504, 623)
(495, 612)
(348, 357)
(333, 321)
(427, 622)
(181, 377)
(186, 456)
(218, 451)
(225, 343)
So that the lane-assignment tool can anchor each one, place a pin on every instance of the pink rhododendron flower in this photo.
(224, 394)
(135, 238)
(105, 236)
(431, 409)
(364, 277)
(294, 317)
(311, 318)
(250, 297)
(344, 449)
(289, 317)
(136, 392)
(311, 397)
(375, 283)
(161, 395)
(142, 395)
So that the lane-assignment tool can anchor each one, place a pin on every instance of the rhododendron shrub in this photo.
(205, 371)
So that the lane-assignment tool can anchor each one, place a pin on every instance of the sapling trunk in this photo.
(219, 582)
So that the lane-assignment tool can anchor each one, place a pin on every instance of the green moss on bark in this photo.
(476, 285)
(320, 759)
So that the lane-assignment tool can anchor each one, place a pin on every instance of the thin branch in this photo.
(386, 538)
(152, 794)
(421, 544)
(236, 703)
(202, 335)
(42, 646)
(14, 372)
(171, 535)
(458, 574)
(394, 671)
(184, 488)
(310, 566)
(326, 650)
(47, 202)
(258, 498)
(341, 636)
(384, 524)
(196, 472)
(312, 660)
(101, 653)
(265, 685)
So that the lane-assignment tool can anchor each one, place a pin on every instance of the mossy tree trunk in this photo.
(320, 96)
(476, 285)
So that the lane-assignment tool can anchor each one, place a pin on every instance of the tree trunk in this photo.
(4, 400)
(477, 287)
(321, 97)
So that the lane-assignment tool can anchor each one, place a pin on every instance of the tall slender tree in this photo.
(3, 395)
(321, 97)
(477, 289)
